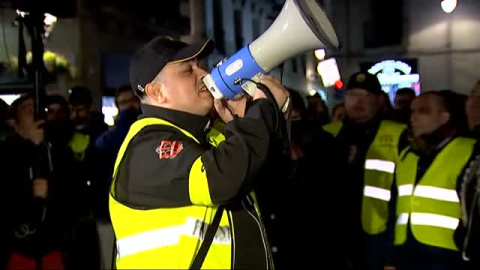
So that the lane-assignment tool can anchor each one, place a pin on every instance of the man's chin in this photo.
(208, 107)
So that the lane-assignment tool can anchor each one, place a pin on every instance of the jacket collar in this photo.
(367, 127)
(195, 124)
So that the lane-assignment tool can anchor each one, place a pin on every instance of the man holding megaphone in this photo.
(182, 193)
(178, 184)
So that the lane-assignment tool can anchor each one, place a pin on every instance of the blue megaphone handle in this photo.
(241, 65)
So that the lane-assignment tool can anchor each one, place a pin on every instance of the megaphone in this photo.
(302, 25)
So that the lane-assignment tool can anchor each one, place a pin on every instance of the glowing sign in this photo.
(390, 65)
(328, 69)
(393, 72)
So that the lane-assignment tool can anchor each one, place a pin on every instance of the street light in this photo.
(320, 54)
(449, 5)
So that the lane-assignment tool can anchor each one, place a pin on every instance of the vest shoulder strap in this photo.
(333, 127)
(393, 126)
(466, 141)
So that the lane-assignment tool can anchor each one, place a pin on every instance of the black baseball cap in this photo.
(366, 81)
(151, 58)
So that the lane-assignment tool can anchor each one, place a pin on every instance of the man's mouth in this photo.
(203, 88)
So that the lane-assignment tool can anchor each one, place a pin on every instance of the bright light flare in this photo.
(449, 5)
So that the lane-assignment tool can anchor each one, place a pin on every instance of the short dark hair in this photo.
(58, 99)
(405, 91)
(80, 95)
(13, 110)
(453, 103)
(297, 102)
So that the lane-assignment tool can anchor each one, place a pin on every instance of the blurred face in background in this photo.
(316, 106)
(79, 114)
(428, 114)
(127, 100)
(339, 113)
(473, 107)
(360, 105)
(25, 114)
(403, 101)
(56, 113)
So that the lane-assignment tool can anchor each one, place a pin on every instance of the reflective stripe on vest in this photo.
(169, 238)
(380, 165)
(380, 160)
(441, 194)
(432, 207)
(428, 219)
(377, 193)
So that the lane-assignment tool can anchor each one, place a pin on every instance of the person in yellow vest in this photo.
(428, 209)
(178, 184)
(369, 148)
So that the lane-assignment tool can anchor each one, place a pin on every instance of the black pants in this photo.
(416, 256)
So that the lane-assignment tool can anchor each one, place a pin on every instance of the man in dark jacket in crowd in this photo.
(109, 142)
(40, 196)
(313, 179)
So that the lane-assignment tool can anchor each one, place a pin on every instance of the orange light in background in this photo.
(338, 85)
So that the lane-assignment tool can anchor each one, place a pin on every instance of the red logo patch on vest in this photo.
(169, 149)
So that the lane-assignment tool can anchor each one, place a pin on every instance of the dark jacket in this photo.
(467, 237)
(35, 225)
(110, 141)
(106, 150)
(147, 180)
(312, 188)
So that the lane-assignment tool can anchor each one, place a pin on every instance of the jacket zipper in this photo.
(262, 231)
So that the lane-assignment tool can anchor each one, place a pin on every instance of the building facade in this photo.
(442, 48)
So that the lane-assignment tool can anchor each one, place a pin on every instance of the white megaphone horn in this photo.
(301, 26)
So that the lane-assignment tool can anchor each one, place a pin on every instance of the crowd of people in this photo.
(56, 174)
(375, 185)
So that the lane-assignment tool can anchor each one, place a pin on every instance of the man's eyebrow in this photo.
(185, 64)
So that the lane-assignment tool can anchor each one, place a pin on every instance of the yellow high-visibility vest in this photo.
(169, 238)
(79, 144)
(380, 161)
(431, 207)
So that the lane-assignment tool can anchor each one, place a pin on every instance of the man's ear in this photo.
(154, 91)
